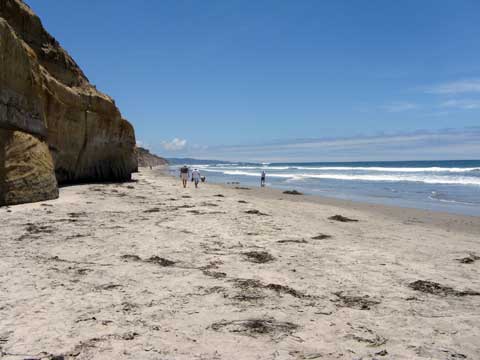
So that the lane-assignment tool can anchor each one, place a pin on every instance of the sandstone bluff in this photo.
(55, 127)
(146, 158)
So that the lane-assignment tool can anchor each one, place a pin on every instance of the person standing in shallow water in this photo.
(196, 177)
(262, 178)
(184, 175)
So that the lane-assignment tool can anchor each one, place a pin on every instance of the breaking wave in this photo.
(398, 177)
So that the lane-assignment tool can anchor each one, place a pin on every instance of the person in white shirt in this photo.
(196, 177)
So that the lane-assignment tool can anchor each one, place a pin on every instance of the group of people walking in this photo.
(196, 177)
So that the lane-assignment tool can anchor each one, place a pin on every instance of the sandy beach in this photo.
(149, 270)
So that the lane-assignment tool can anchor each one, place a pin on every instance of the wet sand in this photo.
(149, 270)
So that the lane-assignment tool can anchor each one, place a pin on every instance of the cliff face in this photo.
(146, 158)
(51, 118)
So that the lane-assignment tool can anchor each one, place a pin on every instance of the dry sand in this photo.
(148, 270)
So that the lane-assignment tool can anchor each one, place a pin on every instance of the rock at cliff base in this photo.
(26, 169)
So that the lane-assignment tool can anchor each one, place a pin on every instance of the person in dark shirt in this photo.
(262, 178)
(184, 175)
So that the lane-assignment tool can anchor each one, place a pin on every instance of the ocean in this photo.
(449, 186)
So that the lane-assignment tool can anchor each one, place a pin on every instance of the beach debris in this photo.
(249, 290)
(185, 206)
(129, 335)
(186, 196)
(307, 356)
(131, 257)
(471, 258)
(374, 341)
(282, 289)
(56, 357)
(384, 352)
(215, 274)
(212, 290)
(39, 229)
(242, 202)
(292, 192)
(250, 295)
(321, 237)
(213, 264)
(77, 236)
(242, 188)
(354, 302)
(152, 260)
(434, 288)
(247, 284)
(152, 210)
(256, 212)
(258, 257)
(128, 307)
(35, 230)
(76, 215)
(82, 271)
(108, 287)
(341, 218)
(198, 212)
(253, 327)
(219, 195)
(208, 204)
(297, 241)
(160, 261)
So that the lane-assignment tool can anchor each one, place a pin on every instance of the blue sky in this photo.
(252, 80)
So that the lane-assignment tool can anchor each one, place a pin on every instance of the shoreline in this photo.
(436, 188)
(452, 221)
(147, 269)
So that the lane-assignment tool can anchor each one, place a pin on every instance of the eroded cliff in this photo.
(51, 118)
(146, 158)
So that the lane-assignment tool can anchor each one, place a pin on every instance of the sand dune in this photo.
(148, 270)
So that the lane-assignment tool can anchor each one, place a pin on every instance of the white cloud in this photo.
(464, 104)
(399, 106)
(456, 87)
(175, 145)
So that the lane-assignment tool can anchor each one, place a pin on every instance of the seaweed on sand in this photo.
(341, 218)
(160, 261)
(292, 192)
(434, 288)
(255, 212)
(321, 237)
(355, 302)
(253, 327)
(258, 257)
